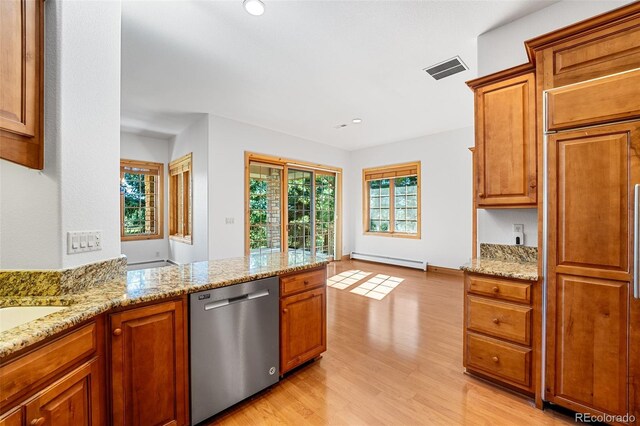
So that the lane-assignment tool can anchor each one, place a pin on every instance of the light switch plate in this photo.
(83, 241)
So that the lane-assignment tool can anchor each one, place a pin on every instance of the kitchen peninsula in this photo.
(103, 349)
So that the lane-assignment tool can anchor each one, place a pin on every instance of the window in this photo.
(291, 206)
(180, 200)
(392, 200)
(141, 200)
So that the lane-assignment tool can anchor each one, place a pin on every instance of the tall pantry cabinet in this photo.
(588, 93)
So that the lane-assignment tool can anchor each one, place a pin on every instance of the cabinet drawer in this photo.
(294, 283)
(499, 359)
(505, 320)
(41, 364)
(500, 289)
(14, 418)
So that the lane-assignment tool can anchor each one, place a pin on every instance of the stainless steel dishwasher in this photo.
(234, 344)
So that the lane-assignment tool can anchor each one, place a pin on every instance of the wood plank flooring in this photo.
(396, 361)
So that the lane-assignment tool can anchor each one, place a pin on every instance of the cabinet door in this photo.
(304, 328)
(75, 400)
(506, 143)
(593, 341)
(21, 106)
(12, 419)
(595, 52)
(148, 365)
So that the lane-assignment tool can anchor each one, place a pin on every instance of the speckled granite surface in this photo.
(508, 253)
(505, 261)
(60, 282)
(143, 286)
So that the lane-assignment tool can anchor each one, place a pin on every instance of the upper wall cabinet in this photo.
(598, 47)
(21, 82)
(505, 124)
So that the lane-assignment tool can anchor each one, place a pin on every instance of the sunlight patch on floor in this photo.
(347, 278)
(377, 287)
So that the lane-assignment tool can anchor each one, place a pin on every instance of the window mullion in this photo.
(312, 222)
(284, 213)
(392, 206)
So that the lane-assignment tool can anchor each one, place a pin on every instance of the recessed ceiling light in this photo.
(356, 120)
(254, 7)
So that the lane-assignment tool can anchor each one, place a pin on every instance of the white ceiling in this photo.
(305, 66)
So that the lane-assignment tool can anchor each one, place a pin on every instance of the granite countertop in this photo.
(505, 261)
(503, 268)
(142, 286)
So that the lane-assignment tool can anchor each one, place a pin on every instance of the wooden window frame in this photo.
(391, 172)
(181, 170)
(159, 194)
(286, 164)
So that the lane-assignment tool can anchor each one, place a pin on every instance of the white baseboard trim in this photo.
(417, 264)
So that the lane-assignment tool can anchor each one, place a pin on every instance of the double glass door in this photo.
(296, 205)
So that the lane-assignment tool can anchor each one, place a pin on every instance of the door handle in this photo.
(636, 243)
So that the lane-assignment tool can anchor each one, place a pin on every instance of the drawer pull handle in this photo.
(496, 289)
(495, 359)
(306, 282)
(117, 332)
(285, 310)
(496, 321)
(38, 422)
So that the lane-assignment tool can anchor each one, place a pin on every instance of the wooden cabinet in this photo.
(149, 365)
(499, 330)
(74, 400)
(593, 342)
(21, 82)
(58, 384)
(505, 151)
(303, 327)
(594, 102)
(597, 47)
(14, 418)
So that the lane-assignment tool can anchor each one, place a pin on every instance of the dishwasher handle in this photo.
(225, 302)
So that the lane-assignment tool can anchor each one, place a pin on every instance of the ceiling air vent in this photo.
(446, 68)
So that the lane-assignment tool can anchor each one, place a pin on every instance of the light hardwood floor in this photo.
(397, 361)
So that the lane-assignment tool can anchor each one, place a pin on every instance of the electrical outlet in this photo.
(518, 234)
(229, 220)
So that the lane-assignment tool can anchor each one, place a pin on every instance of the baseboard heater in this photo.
(417, 264)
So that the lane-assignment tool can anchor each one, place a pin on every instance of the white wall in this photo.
(497, 226)
(229, 140)
(82, 123)
(503, 48)
(446, 198)
(144, 148)
(194, 139)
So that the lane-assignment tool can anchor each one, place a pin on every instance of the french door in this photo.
(291, 208)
